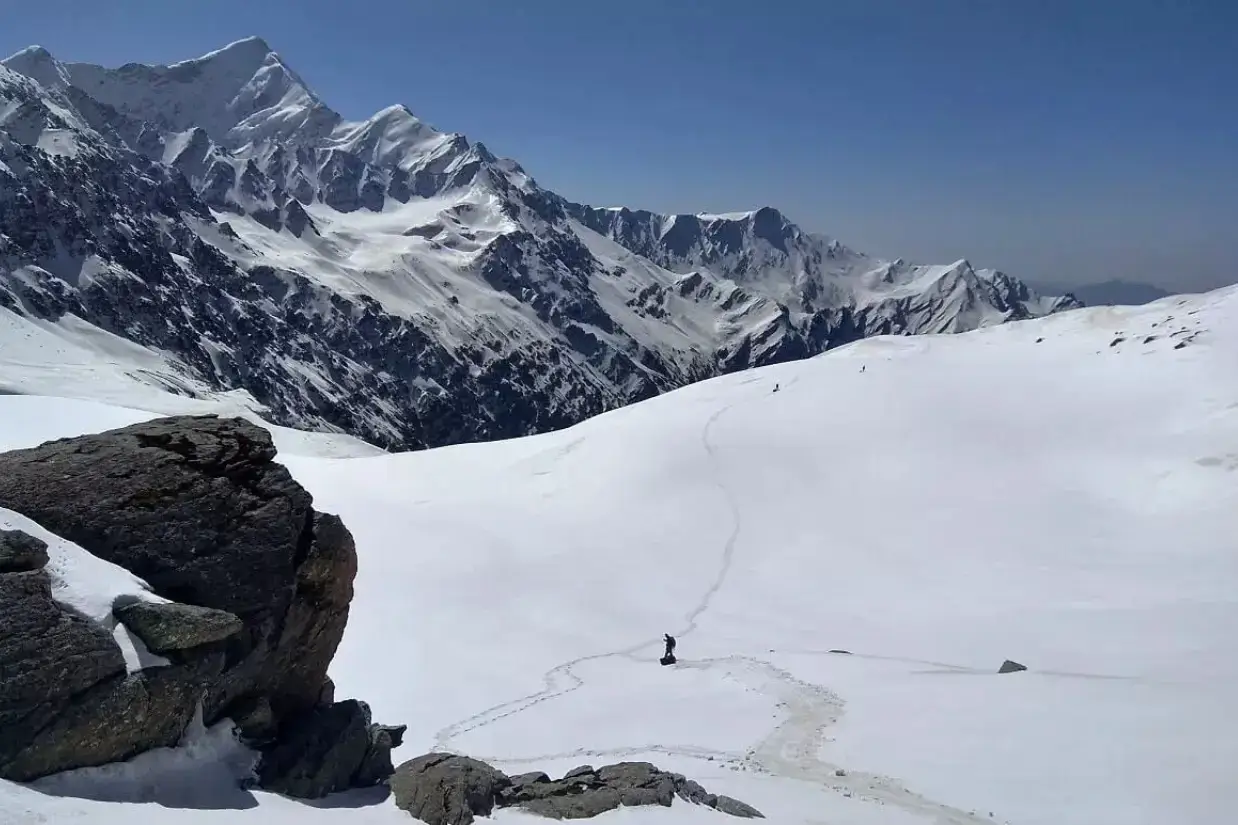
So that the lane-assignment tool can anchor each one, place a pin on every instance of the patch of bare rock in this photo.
(447, 789)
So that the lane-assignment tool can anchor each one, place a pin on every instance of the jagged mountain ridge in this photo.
(396, 282)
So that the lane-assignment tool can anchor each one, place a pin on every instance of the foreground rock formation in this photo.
(259, 586)
(445, 789)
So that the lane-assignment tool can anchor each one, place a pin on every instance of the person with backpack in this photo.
(669, 657)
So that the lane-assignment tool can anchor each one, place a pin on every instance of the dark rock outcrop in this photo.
(444, 789)
(21, 552)
(48, 656)
(164, 628)
(328, 749)
(260, 586)
(377, 765)
(584, 793)
(1011, 666)
(180, 502)
(115, 720)
(197, 507)
(66, 699)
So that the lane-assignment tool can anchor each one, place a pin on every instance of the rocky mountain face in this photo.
(395, 282)
(249, 592)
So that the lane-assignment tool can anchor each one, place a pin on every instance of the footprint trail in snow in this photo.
(790, 750)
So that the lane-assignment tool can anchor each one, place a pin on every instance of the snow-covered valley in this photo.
(1060, 492)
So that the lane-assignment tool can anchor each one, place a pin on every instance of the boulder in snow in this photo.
(442, 789)
(197, 507)
(260, 583)
(734, 807)
(585, 795)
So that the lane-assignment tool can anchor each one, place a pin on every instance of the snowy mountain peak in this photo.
(37, 63)
(32, 52)
(395, 113)
(393, 136)
(218, 92)
(240, 60)
(250, 51)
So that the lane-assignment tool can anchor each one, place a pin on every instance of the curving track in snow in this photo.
(791, 749)
(561, 679)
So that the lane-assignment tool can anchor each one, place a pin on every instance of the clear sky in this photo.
(1060, 140)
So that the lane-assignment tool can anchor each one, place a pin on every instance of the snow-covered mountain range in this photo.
(395, 282)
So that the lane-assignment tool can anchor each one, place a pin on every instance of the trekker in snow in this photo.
(669, 657)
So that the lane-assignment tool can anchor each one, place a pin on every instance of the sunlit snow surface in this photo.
(1060, 492)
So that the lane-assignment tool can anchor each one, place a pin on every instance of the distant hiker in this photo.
(775, 388)
(863, 367)
(668, 658)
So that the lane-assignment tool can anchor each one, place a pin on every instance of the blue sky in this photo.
(1060, 140)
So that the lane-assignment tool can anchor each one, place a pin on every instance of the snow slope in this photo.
(1060, 492)
(129, 383)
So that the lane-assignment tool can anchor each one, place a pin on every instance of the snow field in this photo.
(1028, 491)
